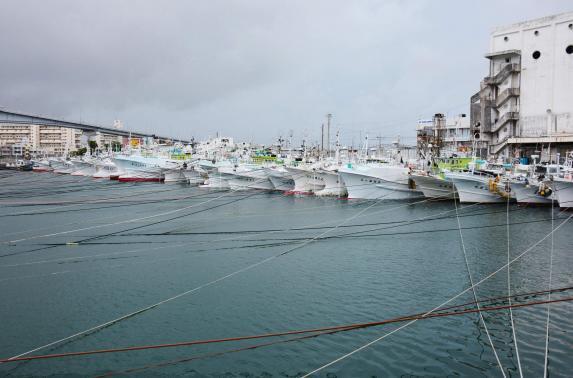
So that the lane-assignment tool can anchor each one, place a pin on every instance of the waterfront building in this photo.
(444, 136)
(525, 104)
(49, 140)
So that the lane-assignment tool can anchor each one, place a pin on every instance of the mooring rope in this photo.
(462, 310)
(473, 287)
(442, 304)
(546, 357)
(509, 289)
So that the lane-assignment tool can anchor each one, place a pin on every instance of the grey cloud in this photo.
(253, 69)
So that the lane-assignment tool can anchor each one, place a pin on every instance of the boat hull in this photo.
(333, 184)
(306, 181)
(174, 175)
(256, 179)
(434, 187)
(151, 175)
(563, 193)
(475, 189)
(527, 193)
(361, 186)
(280, 179)
(193, 177)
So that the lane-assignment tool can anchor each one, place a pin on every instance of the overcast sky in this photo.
(250, 69)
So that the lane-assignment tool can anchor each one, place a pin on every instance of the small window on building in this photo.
(506, 38)
(536, 32)
(569, 49)
(571, 26)
(507, 60)
(536, 54)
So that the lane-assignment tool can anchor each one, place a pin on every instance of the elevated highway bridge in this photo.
(12, 117)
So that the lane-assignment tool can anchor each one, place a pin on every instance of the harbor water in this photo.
(77, 253)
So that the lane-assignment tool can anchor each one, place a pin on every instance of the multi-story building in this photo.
(525, 104)
(106, 141)
(50, 140)
(445, 136)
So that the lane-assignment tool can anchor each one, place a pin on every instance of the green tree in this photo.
(79, 152)
(116, 146)
(93, 146)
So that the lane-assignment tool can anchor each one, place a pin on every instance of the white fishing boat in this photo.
(83, 167)
(42, 165)
(139, 168)
(280, 178)
(563, 189)
(174, 175)
(244, 177)
(65, 167)
(435, 187)
(333, 185)
(216, 179)
(379, 181)
(194, 175)
(58, 164)
(479, 188)
(105, 169)
(532, 192)
(306, 181)
(530, 184)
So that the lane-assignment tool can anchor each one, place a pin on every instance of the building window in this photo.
(506, 38)
(571, 26)
(536, 32)
(507, 60)
(536, 54)
(569, 49)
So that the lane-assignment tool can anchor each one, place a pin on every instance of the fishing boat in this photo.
(483, 188)
(244, 177)
(434, 186)
(531, 185)
(563, 188)
(65, 167)
(174, 175)
(105, 168)
(194, 175)
(19, 165)
(83, 167)
(139, 168)
(379, 181)
(42, 165)
(280, 178)
(333, 184)
(306, 181)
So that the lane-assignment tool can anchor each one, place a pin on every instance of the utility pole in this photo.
(322, 138)
(328, 118)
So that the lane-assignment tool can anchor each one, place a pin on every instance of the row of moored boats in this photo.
(467, 180)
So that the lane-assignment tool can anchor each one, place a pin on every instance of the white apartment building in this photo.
(526, 101)
(106, 141)
(50, 140)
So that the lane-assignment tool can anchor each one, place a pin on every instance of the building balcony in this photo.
(503, 74)
(506, 95)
